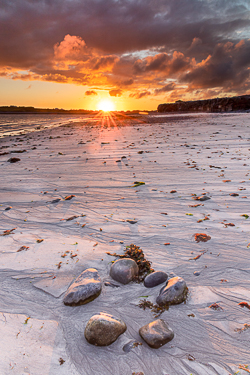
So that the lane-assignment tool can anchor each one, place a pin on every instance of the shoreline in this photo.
(98, 164)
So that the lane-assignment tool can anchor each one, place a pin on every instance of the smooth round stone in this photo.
(124, 270)
(103, 329)
(197, 273)
(156, 333)
(174, 292)
(155, 278)
(84, 289)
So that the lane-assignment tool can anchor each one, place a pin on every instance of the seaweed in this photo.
(138, 183)
(156, 309)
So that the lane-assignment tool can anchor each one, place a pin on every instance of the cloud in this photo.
(227, 67)
(139, 95)
(169, 87)
(135, 46)
(116, 92)
(90, 92)
(72, 48)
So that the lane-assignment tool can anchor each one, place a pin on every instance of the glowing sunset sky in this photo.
(136, 53)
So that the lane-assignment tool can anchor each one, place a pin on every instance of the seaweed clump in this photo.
(134, 252)
(156, 309)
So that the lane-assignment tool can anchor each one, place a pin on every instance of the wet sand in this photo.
(53, 239)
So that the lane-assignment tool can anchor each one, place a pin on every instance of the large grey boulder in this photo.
(86, 287)
(124, 270)
(174, 292)
(155, 278)
(103, 329)
(156, 333)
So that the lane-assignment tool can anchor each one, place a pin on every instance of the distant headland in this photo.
(33, 110)
(235, 103)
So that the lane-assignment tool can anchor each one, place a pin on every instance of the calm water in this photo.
(13, 124)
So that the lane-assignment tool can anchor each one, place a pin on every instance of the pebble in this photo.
(173, 293)
(13, 160)
(197, 273)
(103, 329)
(84, 289)
(155, 278)
(8, 208)
(124, 270)
(156, 333)
(203, 198)
(131, 345)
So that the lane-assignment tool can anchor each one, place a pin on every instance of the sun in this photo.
(106, 105)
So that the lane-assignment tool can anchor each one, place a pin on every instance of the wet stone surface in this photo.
(124, 270)
(84, 289)
(156, 333)
(155, 278)
(174, 292)
(103, 329)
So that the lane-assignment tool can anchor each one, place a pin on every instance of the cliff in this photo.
(236, 103)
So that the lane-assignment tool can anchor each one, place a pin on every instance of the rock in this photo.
(103, 329)
(84, 289)
(203, 198)
(111, 284)
(13, 160)
(131, 345)
(155, 278)
(156, 333)
(174, 292)
(56, 200)
(8, 208)
(124, 270)
(196, 273)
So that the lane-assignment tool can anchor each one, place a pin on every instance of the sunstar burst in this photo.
(106, 105)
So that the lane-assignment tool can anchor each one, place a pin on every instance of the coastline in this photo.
(98, 164)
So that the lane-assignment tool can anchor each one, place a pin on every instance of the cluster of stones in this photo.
(103, 329)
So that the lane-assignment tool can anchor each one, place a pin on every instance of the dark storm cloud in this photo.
(227, 67)
(133, 43)
(167, 88)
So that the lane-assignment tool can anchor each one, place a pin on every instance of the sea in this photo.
(17, 124)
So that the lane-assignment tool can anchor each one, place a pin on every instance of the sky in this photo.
(133, 53)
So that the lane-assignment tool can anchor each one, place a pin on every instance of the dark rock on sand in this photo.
(156, 333)
(56, 200)
(124, 270)
(8, 208)
(13, 160)
(173, 293)
(155, 278)
(203, 198)
(103, 329)
(131, 345)
(84, 289)
(197, 273)
(111, 284)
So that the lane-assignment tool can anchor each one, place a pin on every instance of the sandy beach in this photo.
(66, 203)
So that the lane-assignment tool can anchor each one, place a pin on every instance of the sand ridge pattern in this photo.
(79, 161)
